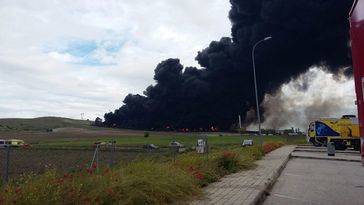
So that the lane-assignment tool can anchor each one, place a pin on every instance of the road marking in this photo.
(293, 198)
(293, 175)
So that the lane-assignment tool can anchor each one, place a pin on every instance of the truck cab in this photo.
(343, 132)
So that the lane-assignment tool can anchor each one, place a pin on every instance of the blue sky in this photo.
(66, 57)
(84, 52)
(81, 48)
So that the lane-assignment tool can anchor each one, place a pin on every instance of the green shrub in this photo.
(146, 134)
(220, 162)
(155, 183)
(229, 161)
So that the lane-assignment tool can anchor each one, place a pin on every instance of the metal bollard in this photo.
(330, 149)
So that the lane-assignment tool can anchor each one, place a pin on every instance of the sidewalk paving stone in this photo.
(247, 187)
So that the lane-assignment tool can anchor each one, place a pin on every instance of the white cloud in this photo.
(43, 71)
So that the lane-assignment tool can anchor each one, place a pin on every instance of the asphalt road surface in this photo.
(319, 181)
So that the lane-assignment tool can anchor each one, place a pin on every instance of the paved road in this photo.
(319, 181)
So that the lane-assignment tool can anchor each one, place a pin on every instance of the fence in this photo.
(18, 161)
(38, 159)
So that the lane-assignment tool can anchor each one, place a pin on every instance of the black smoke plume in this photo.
(305, 33)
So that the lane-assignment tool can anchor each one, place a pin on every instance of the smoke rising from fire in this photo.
(312, 95)
(305, 33)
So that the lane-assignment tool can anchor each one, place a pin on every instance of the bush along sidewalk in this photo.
(140, 182)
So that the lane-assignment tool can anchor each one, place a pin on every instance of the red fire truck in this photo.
(357, 43)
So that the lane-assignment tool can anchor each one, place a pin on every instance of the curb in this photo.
(312, 150)
(323, 158)
(259, 199)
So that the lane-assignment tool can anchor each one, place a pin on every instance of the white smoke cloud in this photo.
(312, 95)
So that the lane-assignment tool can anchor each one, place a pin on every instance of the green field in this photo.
(187, 140)
(40, 124)
(63, 132)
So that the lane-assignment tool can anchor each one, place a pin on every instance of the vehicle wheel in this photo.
(356, 146)
(315, 143)
(340, 146)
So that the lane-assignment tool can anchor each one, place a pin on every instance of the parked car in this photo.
(11, 142)
(15, 142)
(2, 143)
(175, 144)
(150, 146)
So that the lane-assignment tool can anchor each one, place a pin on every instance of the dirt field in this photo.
(36, 161)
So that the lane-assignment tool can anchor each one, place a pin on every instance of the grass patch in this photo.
(143, 182)
(165, 140)
(40, 124)
(220, 162)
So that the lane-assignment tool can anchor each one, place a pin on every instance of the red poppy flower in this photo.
(18, 190)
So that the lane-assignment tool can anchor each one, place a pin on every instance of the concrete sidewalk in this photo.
(248, 187)
(319, 182)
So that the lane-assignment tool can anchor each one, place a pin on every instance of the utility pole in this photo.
(255, 83)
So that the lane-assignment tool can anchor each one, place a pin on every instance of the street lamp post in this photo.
(255, 81)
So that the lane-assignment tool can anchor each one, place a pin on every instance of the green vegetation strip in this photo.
(143, 181)
(163, 141)
(41, 124)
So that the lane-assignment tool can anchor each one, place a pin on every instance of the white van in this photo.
(3, 143)
(11, 142)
